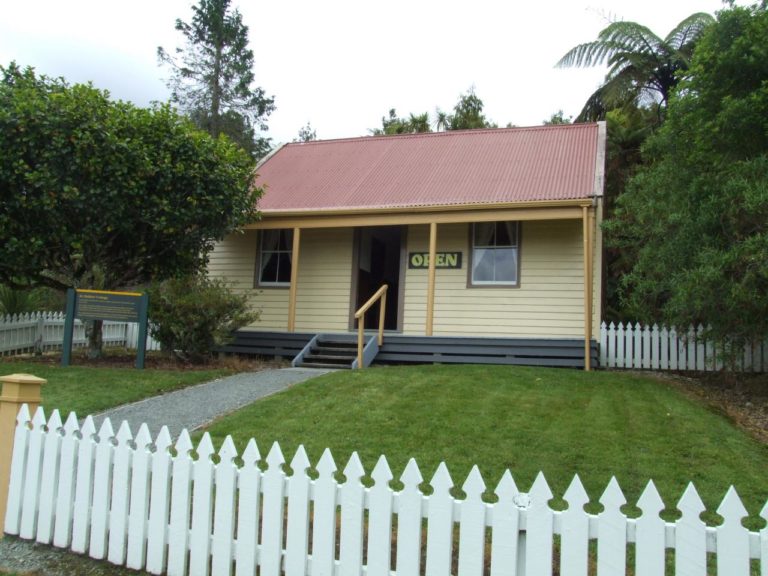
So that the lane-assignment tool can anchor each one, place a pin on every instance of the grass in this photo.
(561, 422)
(88, 389)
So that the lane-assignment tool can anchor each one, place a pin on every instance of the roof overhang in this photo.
(394, 216)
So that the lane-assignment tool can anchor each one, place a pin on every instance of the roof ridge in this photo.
(444, 133)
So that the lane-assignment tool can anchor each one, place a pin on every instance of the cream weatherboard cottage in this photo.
(488, 242)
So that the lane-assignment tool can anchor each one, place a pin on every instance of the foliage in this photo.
(18, 301)
(212, 77)
(193, 315)
(101, 194)
(306, 134)
(561, 422)
(415, 123)
(557, 118)
(468, 113)
(694, 222)
(643, 67)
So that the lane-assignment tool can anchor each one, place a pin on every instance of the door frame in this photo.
(400, 280)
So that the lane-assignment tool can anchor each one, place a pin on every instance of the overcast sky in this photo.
(342, 64)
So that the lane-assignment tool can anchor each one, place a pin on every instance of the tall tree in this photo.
(643, 67)
(468, 113)
(393, 124)
(101, 194)
(306, 134)
(212, 77)
(694, 221)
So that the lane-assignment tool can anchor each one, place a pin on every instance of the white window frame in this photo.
(268, 253)
(473, 260)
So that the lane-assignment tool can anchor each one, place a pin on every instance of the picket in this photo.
(505, 529)
(202, 508)
(249, 486)
(272, 491)
(380, 520)
(222, 545)
(62, 534)
(102, 479)
(32, 476)
(352, 502)
(650, 533)
(159, 504)
(409, 515)
(440, 524)
(48, 481)
(136, 547)
(178, 528)
(81, 521)
(297, 539)
(574, 546)
(138, 505)
(472, 527)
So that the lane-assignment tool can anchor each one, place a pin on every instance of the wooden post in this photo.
(431, 277)
(17, 389)
(294, 279)
(587, 286)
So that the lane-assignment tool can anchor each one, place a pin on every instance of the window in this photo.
(275, 257)
(494, 254)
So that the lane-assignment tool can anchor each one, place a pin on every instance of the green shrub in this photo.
(194, 315)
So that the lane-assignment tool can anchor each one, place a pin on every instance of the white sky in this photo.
(342, 64)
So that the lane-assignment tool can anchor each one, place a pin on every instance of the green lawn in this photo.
(561, 422)
(88, 390)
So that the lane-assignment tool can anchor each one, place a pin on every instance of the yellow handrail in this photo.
(381, 293)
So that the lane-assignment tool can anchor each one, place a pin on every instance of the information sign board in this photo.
(106, 305)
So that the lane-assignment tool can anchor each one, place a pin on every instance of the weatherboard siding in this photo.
(325, 279)
(548, 303)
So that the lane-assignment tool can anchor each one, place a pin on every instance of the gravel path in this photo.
(188, 408)
(196, 406)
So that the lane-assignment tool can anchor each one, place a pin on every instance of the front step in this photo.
(330, 351)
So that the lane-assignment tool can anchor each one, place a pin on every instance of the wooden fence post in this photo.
(17, 389)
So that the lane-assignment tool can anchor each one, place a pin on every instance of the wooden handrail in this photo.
(381, 293)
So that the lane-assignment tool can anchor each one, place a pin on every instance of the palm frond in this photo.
(688, 30)
(616, 38)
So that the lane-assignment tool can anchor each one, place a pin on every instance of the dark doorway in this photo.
(378, 263)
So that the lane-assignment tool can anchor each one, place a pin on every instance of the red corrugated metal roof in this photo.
(438, 169)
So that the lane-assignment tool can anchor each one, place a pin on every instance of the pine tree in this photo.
(212, 77)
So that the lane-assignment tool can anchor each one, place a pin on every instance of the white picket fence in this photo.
(659, 348)
(44, 331)
(132, 502)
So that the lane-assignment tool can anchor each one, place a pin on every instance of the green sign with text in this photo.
(106, 305)
(442, 260)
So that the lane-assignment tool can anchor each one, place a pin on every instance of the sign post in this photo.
(106, 305)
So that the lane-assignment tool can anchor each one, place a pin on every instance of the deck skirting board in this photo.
(399, 349)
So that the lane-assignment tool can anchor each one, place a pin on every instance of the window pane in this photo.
(269, 240)
(284, 269)
(286, 240)
(506, 234)
(505, 264)
(482, 265)
(483, 234)
(269, 266)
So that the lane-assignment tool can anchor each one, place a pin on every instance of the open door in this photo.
(379, 252)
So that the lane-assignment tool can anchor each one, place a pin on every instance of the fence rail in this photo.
(659, 348)
(44, 331)
(134, 503)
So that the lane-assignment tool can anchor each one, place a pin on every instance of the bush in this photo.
(194, 315)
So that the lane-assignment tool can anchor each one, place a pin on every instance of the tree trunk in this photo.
(95, 339)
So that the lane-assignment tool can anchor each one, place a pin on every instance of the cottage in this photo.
(488, 243)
